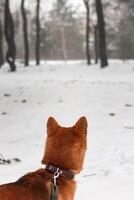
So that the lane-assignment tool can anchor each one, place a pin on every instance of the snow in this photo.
(68, 91)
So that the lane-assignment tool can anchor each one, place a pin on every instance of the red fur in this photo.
(65, 147)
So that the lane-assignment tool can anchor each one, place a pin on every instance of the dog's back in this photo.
(32, 186)
(65, 148)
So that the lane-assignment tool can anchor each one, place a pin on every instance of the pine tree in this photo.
(60, 10)
(63, 32)
(126, 30)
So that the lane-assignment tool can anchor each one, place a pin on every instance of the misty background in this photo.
(63, 29)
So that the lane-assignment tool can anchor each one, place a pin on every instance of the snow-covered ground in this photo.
(68, 91)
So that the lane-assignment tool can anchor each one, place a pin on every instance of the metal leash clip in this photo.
(56, 175)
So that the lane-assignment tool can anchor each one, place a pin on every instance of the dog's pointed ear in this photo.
(51, 125)
(81, 125)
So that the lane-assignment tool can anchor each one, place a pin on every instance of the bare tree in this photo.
(9, 35)
(87, 5)
(96, 43)
(1, 45)
(25, 33)
(37, 53)
(102, 34)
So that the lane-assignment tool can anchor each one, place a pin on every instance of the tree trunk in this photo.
(25, 34)
(37, 33)
(9, 35)
(102, 35)
(86, 2)
(1, 46)
(96, 44)
(64, 50)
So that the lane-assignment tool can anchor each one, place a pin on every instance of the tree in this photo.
(102, 34)
(87, 5)
(9, 35)
(129, 3)
(126, 30)
(125, 38)
(1, 33)
(25, 34)
(1, 45)
(63, 33)
(96, 42)
(37, 51)
(60, 10)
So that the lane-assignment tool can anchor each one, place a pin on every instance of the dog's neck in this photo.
(65, 181)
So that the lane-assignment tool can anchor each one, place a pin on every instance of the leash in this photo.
(55, 188)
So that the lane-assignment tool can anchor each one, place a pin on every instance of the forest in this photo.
(102, 30)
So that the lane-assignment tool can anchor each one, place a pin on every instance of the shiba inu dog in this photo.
(63, 158)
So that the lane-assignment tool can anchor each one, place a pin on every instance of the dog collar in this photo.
(62, 172)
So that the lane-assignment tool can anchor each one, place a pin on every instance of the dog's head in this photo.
(65, 147)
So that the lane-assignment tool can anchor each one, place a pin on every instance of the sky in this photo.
(48, 4)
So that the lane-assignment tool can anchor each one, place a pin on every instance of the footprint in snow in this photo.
(23, 101)
(112, 114)
(129, 127)
(128, 105)
(4, 113)
(60, 101)
(7, 95)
